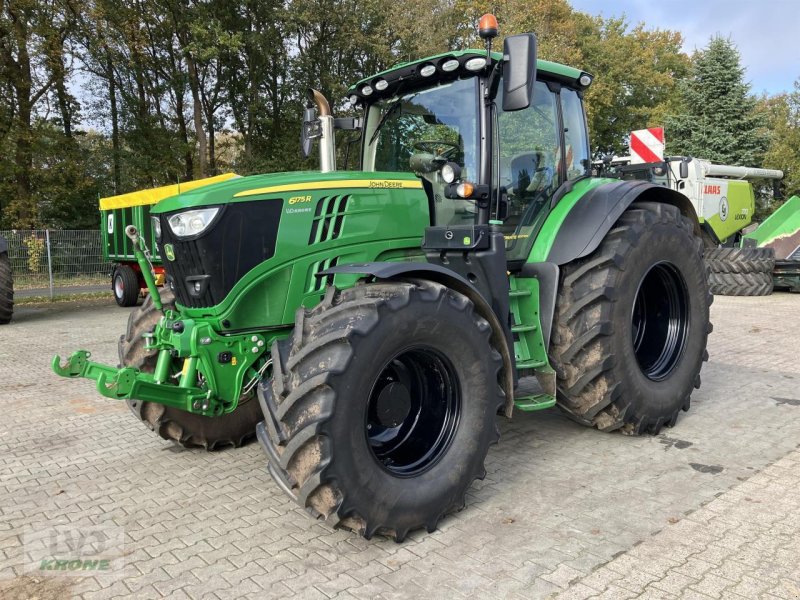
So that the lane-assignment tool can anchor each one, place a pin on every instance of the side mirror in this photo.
(308, 130)
(683, 170)
(519, 71)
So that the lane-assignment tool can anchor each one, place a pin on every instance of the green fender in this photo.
(583, 216)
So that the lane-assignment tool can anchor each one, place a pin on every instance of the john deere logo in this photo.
(169, 252)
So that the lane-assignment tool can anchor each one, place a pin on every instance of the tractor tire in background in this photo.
(6, 289)
(631, 324)
(187, 429)
(382, 406)
(125, 285)
(740, 271)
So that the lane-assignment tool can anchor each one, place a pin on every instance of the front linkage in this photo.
(214, 367)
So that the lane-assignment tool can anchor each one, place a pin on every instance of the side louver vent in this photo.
(317, 284)
(328, 219)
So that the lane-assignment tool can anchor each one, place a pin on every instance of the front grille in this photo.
(242, 236)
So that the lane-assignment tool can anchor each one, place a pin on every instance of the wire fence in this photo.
(47, 260)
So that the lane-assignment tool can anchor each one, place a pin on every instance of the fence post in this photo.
(49, 261)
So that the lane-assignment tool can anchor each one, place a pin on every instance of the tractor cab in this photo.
(481, 158)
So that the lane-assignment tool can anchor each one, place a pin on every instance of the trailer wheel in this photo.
(631, 324)
(382, 406)
(6, 289)
(125, 285)
(741, 271)
(185, 428)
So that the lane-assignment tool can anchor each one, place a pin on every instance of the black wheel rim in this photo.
(413, 411)
(660, 321)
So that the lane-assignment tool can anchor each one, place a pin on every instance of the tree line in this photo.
(101, 97)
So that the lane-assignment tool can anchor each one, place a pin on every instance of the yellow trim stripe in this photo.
(376, 184)
(151, 196)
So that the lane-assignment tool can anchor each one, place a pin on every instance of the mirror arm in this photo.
(347, 123)
(494, 80)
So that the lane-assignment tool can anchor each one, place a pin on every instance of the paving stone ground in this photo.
(708, 509)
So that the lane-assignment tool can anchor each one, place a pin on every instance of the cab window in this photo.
(576, 144)
(529, 152)
(421, 130)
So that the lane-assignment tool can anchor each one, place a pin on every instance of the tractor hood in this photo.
(283, 185)
(240, 231)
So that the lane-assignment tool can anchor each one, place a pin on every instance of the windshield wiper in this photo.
(389, 112)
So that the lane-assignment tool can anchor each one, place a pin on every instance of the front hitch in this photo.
(197, 369)
(213, 370)
(127, 383)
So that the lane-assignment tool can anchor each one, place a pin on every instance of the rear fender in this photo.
(594, 214)
(397, 270)
(587, 224)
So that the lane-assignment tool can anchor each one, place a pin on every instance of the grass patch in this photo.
(62, 298)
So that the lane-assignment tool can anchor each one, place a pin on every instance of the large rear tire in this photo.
(631, 324)
(6, 289)
(187, 429)
(740, 271)
(382, 406)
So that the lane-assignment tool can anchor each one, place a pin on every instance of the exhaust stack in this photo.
(327, 139)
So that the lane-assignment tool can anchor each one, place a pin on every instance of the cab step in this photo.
(530, 364)
(536, 402)
(518, 293)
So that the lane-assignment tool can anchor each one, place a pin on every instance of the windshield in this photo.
(419, 131)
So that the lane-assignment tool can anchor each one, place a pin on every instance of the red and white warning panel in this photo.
(647, 145)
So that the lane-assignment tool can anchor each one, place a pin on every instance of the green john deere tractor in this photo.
(370, 325)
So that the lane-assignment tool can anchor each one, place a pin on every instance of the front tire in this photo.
(631, 324)
(232, 429)
(382, 406)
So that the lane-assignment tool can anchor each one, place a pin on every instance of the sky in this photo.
(766, 32)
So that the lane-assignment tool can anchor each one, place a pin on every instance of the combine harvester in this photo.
(722, 196)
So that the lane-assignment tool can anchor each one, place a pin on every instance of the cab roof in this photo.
(411, 73)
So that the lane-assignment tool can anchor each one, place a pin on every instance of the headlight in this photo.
(427, 70)
(156, 227)
(450, 65)
(450, 172)
(475, 64)
(191, 222)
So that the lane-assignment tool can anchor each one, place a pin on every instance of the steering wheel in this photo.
(433, 147)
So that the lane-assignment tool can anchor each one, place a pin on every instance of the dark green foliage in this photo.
(103, 97)
(718, 120)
